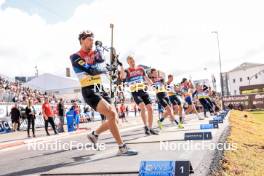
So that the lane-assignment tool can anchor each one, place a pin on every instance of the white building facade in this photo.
(244, 75)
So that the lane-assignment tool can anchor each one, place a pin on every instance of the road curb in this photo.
(9, 145)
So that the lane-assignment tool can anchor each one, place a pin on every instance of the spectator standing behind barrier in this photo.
(127, 111)
(86, 113)
(15, 117)
(135, 110)
(61, 114)
(48, 116)
(76, 108)
(122, 112)
(30, 113)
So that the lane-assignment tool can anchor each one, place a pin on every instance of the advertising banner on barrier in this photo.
(4, 127)
(9, 107)
(39, 122)
(252, 101)
(3, 111)
(258, 101)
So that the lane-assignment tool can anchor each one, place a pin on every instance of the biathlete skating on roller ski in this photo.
(174, 98)
(136, 77)
(162, 98)
(85, 64)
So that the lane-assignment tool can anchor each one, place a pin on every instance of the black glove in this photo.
(98, 43)
(109, 67)
(95, 70)
(119, 63)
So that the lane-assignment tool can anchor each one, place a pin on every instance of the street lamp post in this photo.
(220, 67)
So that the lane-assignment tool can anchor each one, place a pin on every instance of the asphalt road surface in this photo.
(57, 157)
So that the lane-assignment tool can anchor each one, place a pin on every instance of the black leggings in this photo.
(210, 102)
(51, 121)
(216, 108)
(206, 105)
(31, 120)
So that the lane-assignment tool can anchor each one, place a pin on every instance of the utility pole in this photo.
(111, 59)
(220, 68)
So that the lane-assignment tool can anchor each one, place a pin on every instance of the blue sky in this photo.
(52, 11)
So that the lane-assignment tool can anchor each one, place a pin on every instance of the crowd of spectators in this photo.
(14, 91)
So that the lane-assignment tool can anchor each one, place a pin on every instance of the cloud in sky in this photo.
(47, 9)
(174, 36)
(2, 2)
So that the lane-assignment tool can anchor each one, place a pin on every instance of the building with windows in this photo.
(247, 78)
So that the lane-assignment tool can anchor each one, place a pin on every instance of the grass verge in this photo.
(247, 132)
